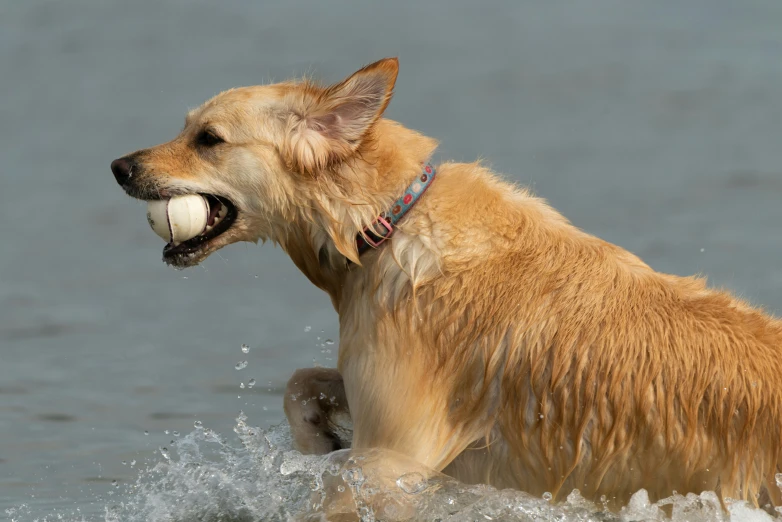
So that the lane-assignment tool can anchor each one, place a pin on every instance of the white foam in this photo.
(208, 478)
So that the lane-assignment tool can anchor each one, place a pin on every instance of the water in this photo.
(655, 125)
(259, 476)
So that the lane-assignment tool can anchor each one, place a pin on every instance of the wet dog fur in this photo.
(489, 338)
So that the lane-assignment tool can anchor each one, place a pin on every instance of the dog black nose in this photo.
(122, 169)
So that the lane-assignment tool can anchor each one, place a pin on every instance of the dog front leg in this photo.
(402, 438)
(317, 411)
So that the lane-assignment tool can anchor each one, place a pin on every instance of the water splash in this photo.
(412, 483)
(205, 477)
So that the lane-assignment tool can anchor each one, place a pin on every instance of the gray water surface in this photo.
(656, 125)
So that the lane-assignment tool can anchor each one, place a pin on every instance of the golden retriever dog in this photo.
(481, 334)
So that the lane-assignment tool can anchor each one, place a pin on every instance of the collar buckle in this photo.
(378, 232)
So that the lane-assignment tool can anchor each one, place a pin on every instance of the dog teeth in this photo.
(220, 215)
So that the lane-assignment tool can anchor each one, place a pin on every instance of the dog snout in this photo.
(122, 169)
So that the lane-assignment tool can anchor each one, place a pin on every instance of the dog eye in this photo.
(208, 139)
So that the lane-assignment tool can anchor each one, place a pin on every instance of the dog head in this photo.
(259, 152)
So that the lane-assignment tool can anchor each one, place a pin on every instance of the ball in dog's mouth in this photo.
(188, 222)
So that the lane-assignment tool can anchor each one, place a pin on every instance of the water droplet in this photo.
(329, 341)
(341, 489)
(164, 452)
(265, 408)
(307, 328)
(114, 483)
(541, 415)
(166, 432)
(132, 463)
(547, 496)
(353, 476)
(703, 249)
(245, 348)
(251, 383)
(146, 432)
(241, 365)
(412, 483)
(256, 276)
(176, 433)
(241, 385)
(198, 424)
(124, 463)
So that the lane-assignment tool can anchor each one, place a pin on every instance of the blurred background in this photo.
(656, 125)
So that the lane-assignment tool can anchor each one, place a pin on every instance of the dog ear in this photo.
(334, 121)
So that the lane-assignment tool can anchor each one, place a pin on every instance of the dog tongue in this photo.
(213, 210)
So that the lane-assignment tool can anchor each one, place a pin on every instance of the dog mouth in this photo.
(222, 215)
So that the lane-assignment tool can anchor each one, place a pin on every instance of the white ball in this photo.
(179, 218)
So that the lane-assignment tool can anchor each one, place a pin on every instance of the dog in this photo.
(481, 334)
